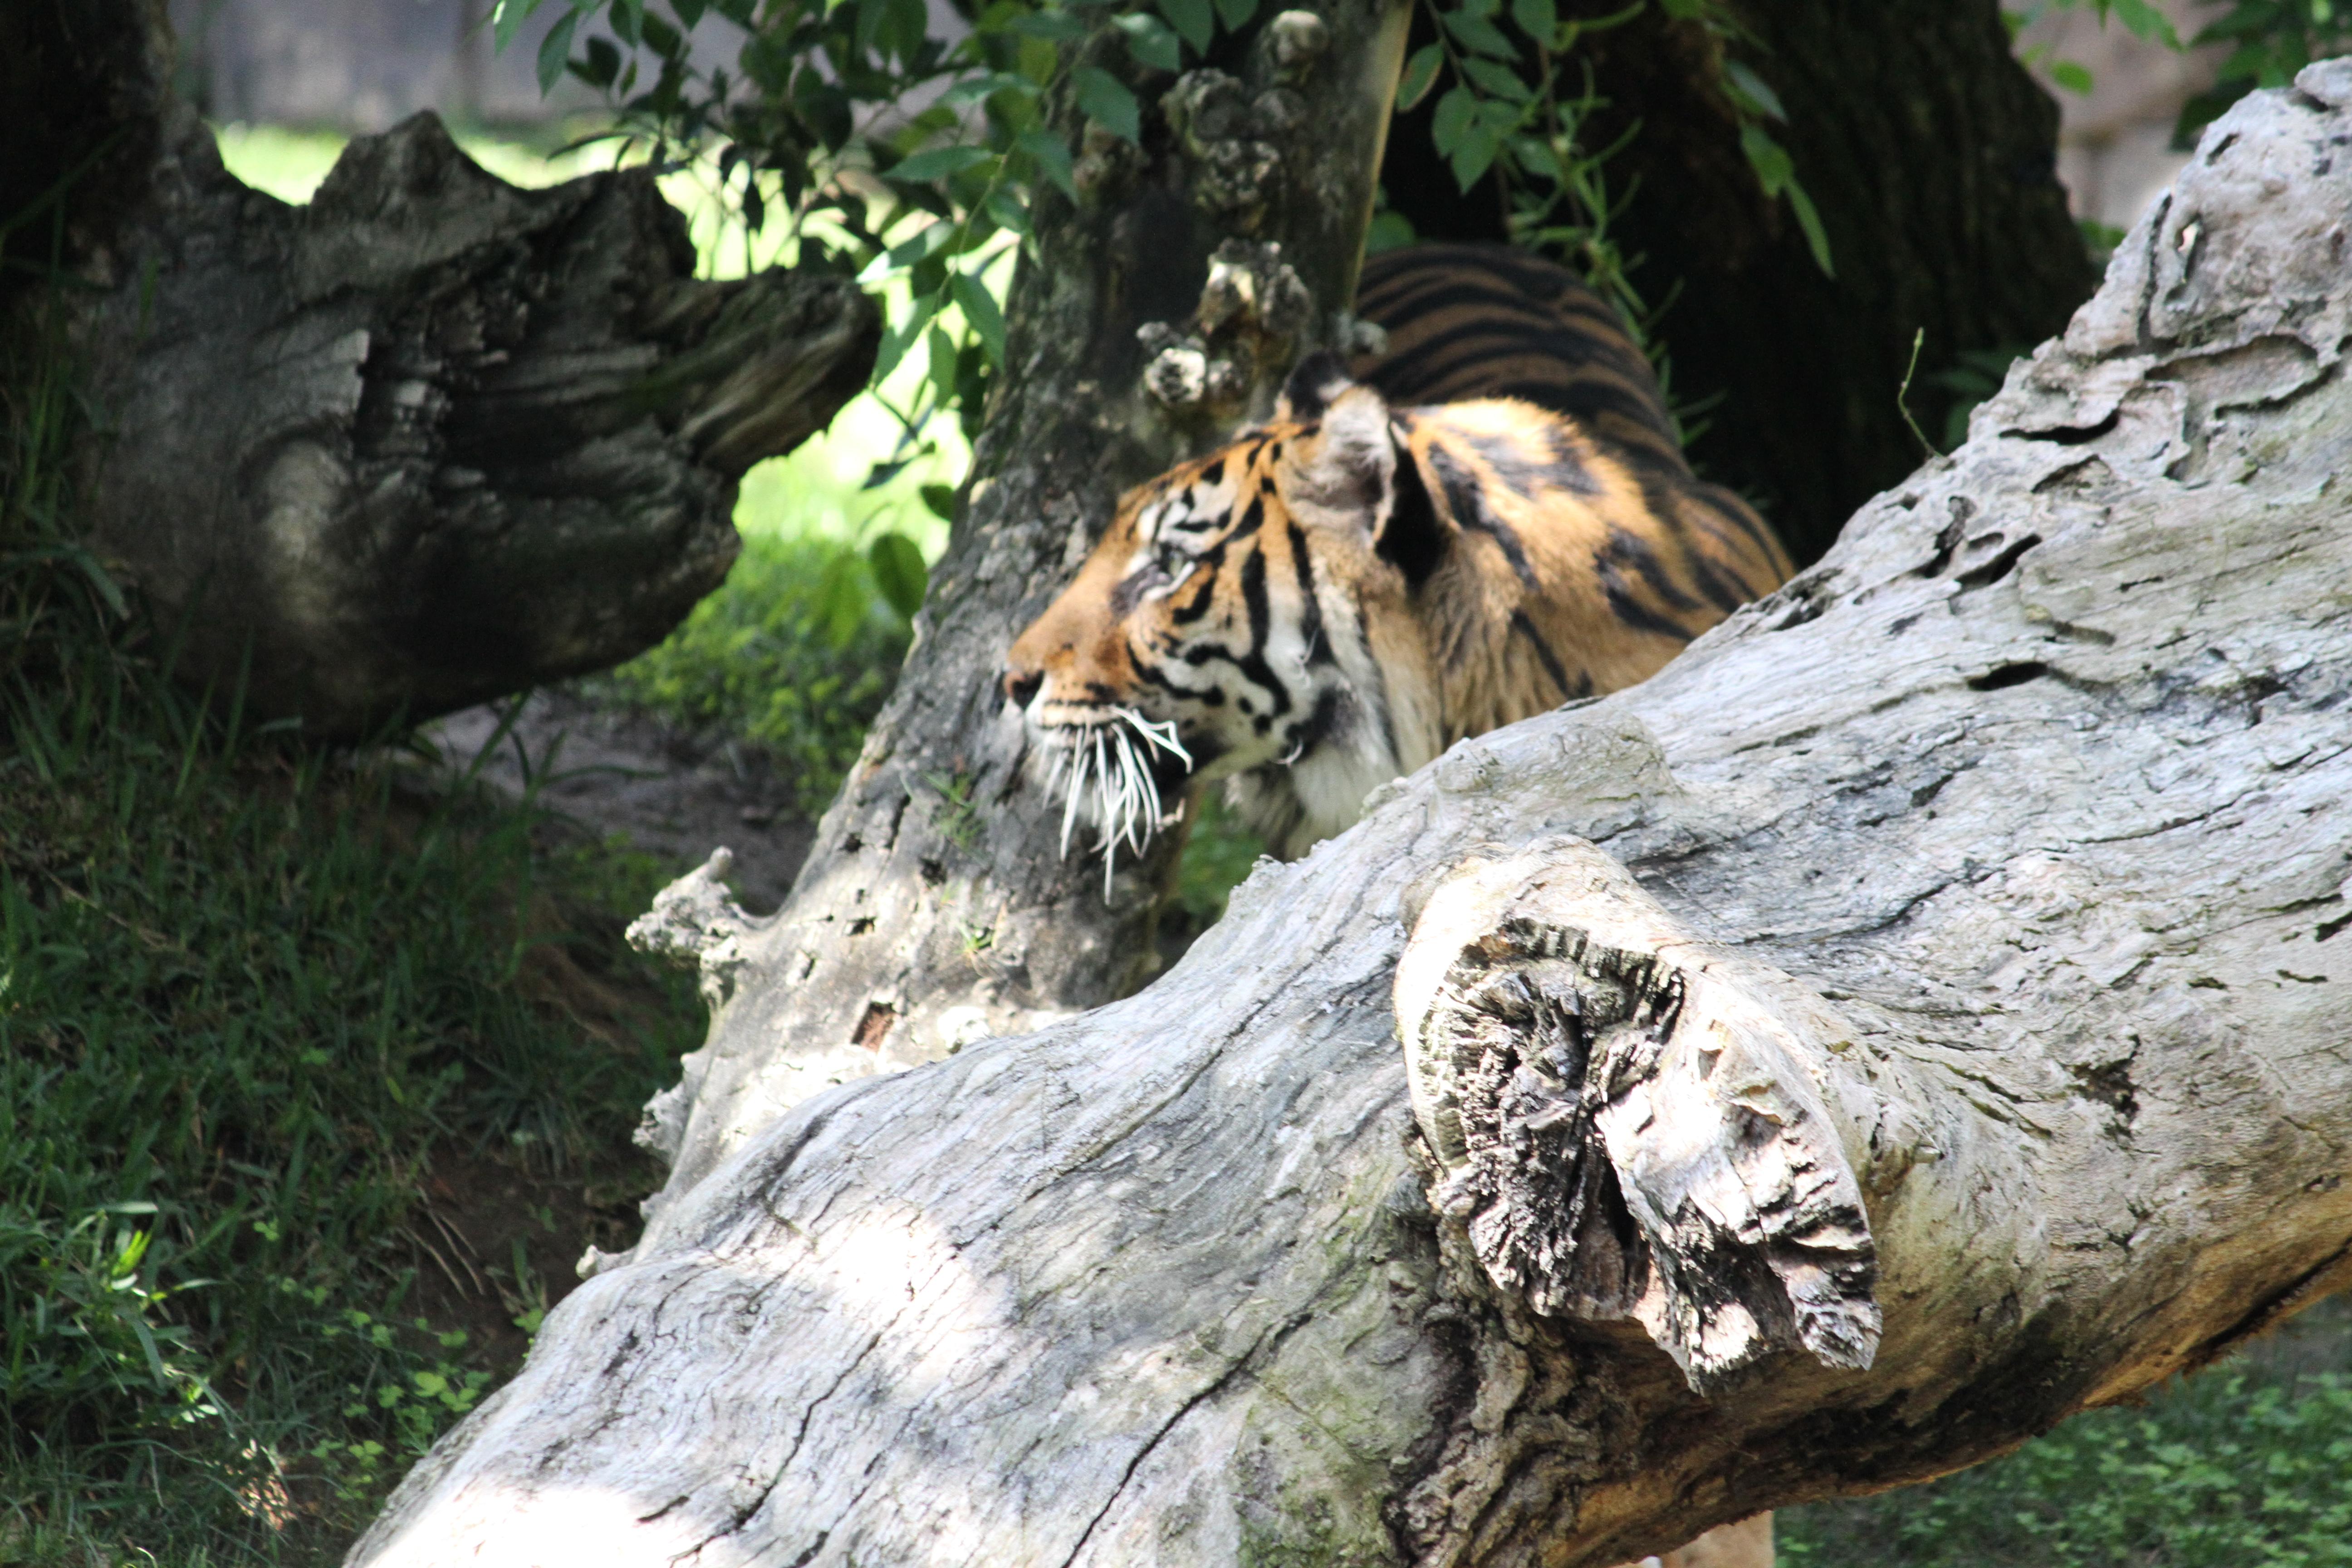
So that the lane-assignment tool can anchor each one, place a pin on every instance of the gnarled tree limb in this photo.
(429, 439)
(1945, 951)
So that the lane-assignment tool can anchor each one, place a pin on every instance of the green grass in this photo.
(2247, 1465)
(248, 990)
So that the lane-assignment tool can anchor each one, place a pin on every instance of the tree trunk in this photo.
(1166, 304)
(1931, 155)
(431, 438)
(1905, 1021)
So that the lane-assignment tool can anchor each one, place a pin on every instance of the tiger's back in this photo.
(1470, 322)
(1336, 596)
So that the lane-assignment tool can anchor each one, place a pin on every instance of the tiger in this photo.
(1490, 518)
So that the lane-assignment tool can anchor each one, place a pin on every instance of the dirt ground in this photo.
(674, 796)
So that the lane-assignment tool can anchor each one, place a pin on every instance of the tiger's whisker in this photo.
(1107, 770)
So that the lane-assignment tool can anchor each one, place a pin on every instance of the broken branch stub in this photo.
(1620, 1121)
(434, 439)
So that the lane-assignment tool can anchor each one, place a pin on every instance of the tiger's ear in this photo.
(1348, 464)
(1320, 377)
(1357, 471)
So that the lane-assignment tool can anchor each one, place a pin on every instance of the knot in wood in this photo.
(1621, 1127)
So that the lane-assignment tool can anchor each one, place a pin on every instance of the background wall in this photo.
(2115, 147)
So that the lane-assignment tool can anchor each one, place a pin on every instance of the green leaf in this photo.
(1053, 158)
(1235, 14)
(2072, 75)
(555, 51)
(1152, 41)
(1767, 157)
(982, 313)
(2145, 21)
(1451, 117)
(842, 599)
(1475, 152)
(1010, 214)
(1755, 90)
(1193, 19)
(1539, 19)
(940, 351)
(1054, 26)
(506, 19)
(603, 63)
(1497, 79)
(898, 572)
(1536, 158)
(1108, 101)
(1476, 33)
(1816, 238)
(940, 498)
(899, 338)
(937, 163)
(1389, 231)
(628, 20)
(688, 12)
(972, 90)
(1419, 76)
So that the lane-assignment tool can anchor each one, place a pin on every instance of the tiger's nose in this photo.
(1021, 685)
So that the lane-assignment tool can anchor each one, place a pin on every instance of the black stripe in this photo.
(1633, 550)
(1411, 540)
(1527, 628)
(1212, 695)
(1310, 614)
(1530, 478)
(1633, 612)
(1206, 570)
(1727, 505)
(1469, 509)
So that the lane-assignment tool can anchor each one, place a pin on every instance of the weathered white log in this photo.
(1929, 988)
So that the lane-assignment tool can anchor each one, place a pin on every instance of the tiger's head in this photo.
(1246, 616)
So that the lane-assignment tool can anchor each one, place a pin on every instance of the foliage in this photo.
(783, 656)
(1507, 110)
(245, 988)
(813, 128)
(2231, 1469)
(1219, 854)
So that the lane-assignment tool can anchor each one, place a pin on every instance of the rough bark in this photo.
(1906, 1020)
(429, 439)
(1167, 303)
(1931, 155)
